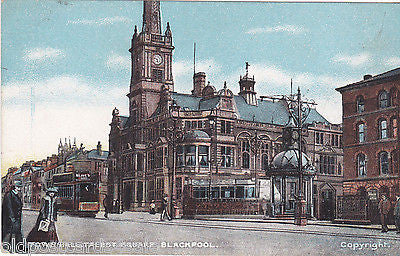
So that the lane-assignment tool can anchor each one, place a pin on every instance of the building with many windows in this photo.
(371, 136)
(207, 145)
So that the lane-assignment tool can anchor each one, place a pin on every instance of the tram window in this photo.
(87, 192)
(65, 191)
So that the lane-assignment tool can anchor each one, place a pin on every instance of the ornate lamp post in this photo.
(174, 134)
(299, 110)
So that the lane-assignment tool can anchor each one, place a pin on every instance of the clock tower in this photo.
(151, 55)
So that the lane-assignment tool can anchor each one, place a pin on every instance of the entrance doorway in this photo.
(328, 202)
(127, 196)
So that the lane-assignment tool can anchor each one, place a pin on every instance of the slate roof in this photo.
(93, 154)
(394, 73)
(265, 112)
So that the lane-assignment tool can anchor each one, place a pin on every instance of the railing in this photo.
(353, 207)
(225, 206)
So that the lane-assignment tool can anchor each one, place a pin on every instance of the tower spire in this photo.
(151, 17)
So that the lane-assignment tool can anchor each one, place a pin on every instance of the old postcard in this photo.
(200, 128)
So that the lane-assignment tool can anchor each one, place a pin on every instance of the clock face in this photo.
(157, 59)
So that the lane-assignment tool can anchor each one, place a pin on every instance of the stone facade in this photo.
(214, 142)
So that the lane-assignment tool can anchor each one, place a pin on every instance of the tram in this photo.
(78, 193)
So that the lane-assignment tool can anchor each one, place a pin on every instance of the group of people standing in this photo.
(384, 210)
(44, 229)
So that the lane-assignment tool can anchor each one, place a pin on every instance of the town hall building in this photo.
(210, 147)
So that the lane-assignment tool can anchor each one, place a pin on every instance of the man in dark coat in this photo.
(384, 208)
(397, 213)
(164, 209)
(12, 211)
(106, 204)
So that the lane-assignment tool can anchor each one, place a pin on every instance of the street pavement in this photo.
(143, 233)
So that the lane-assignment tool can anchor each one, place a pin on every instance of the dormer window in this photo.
(360, 104)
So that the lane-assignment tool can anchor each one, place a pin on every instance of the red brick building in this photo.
(371, 135)
(210, 146)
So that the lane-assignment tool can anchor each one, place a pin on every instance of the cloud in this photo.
(42, 54)
(353, 60)
(34, 137)
(61, 89)
(290, 29)
(36, 114)
(393, 61)
(101, 21)
(115, 61)
(185, 67)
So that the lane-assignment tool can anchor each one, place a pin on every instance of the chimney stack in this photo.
(99, 148)
(199, 82)
(366, 77)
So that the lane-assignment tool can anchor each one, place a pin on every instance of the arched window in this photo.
(393, 97)
(384, 162)
(245, 160)
(245, 148)
(361, 165)
(393, 128)
(264, 160)
(360, 104)
(361, 132)
(264, 155)
(384, 100)
(382, 129)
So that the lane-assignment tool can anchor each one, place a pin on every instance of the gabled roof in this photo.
(389, 75)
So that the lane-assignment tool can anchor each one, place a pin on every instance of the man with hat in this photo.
(384, 208)
(397, 213)
(12, 211)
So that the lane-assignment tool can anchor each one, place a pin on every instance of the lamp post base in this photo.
(300, 218)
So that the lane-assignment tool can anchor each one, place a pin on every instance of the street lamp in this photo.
(174, 134)
(299, 110)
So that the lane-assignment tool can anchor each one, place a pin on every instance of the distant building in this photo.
(371, 139)
(91, 166)
(209, 144)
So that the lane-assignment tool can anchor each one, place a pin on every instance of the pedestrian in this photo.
(106, 204)
(12, 214)
(384, 208)
(397, 213)
(153, 207)
(117, 206)
(164, 209)
(45, 228)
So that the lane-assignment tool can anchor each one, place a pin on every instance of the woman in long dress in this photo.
(45, 228)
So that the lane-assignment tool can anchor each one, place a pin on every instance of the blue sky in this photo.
(65, 65)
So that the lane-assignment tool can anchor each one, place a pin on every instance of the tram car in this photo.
(78, 193)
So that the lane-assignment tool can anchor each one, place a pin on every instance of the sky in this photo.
(65, 64)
